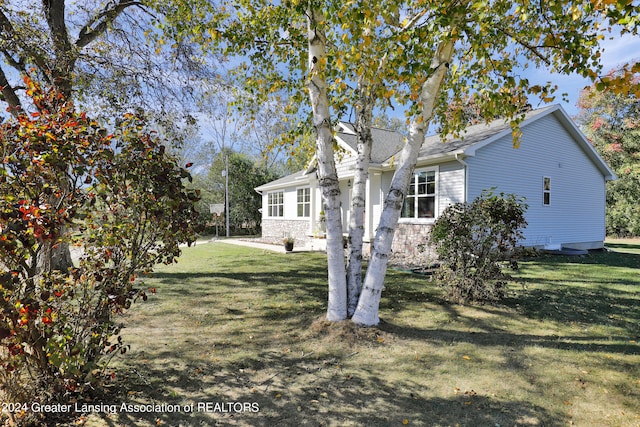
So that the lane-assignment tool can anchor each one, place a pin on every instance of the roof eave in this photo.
(426, 160)
(284, 183)
(589, 150)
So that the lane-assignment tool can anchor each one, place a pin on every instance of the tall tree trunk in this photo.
(364, 117)
(366, 313)
(327, 174)
(54, 256)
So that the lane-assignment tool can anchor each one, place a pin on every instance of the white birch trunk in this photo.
(327, 174)
(366, 313)
(364, 114)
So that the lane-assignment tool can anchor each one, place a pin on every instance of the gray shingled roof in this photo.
(386, 143)
(284, 180)
(434, 145)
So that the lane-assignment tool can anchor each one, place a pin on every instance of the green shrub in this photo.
(474, 241)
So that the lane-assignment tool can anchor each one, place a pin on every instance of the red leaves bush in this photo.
(118, 199)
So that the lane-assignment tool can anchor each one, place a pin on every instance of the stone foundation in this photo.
(410, 246)
(410, 243)
(277, 229)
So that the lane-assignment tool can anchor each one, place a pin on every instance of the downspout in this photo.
(261, 210)
(313, 208)
(466, 176)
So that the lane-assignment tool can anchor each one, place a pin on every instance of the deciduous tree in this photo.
(98, 54)
(610, 121)
(245, 174)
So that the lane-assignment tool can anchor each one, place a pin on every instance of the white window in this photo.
(304, 202)
(546, 191)
(275, 203)
(420, 201)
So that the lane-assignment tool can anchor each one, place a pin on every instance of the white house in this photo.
(555, 168)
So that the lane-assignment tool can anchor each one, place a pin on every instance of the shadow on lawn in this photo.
(596, 257)
(623, 246)
(300, 391)
(603, 291)
(284, 294)
(496, 337)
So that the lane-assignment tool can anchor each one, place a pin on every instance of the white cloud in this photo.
(620, 50)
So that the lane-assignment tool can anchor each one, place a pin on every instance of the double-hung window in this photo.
(420, 201)
(275, 204)
(304, 202)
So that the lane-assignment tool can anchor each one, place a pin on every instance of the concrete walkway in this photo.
(267, 246)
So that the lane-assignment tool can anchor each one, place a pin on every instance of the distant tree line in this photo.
(611, 121)
(245, 174)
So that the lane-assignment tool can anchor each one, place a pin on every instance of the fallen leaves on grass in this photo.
(345, 332)
(469, 393)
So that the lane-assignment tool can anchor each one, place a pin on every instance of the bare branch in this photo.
(22, 48)
(99, 23)
(531, 48)
(9, 94)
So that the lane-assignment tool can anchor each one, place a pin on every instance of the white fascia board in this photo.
(586, 146)
(425, 161)
(342, 127)
(297, 181)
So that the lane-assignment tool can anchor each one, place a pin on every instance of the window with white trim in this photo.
(304, 202)
(420, 201)
(275, 204)
(546, 191)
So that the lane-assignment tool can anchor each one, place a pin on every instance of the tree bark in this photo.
(364, 118)
(366, 313)
(9, 94)
(327, 174)
(52, 257)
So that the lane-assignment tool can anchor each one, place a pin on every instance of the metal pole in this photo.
(226, 191)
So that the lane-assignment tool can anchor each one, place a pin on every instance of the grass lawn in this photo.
(233, 324)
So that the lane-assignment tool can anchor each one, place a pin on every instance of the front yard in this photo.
(235, 336)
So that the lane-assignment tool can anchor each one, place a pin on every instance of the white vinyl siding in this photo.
(450, 185)
(577, 203)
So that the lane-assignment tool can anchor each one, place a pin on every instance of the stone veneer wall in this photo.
(410, 242)
(277, 229)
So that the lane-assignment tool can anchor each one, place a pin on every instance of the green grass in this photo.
(232, 324)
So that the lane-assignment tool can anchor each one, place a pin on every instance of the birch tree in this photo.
(423, 56)
(327, 174)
